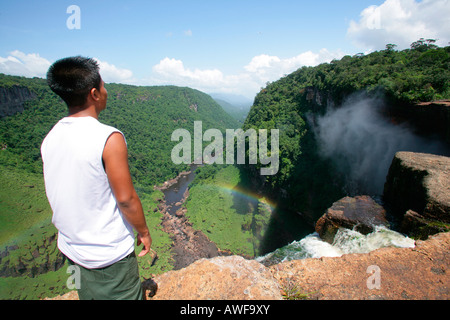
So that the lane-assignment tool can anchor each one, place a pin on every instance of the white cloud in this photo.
(401, 22)
(172, 71)
(110, 73)
(261, 63)
(252, 77)
(21, 64)
(248, 82)
(188, 33)
(270, 68)
(33, 65)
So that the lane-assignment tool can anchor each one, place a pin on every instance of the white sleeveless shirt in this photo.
(91, 229)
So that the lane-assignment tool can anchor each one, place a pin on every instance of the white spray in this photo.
(362, 143)
(345, 241)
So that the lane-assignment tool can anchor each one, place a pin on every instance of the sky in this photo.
(228, 47)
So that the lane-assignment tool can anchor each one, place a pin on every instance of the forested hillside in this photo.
(307, 182)
(146, 115)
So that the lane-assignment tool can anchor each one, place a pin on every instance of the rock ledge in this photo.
(403, 274)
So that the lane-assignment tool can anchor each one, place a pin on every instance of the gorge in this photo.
(368, 126)
(341, 126)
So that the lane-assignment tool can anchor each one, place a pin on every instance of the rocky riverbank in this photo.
(169, 183)
(189, 245)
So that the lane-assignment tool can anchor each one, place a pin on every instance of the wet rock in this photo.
(418, 227)
(417, 273)
(189, 244)
(12, 99)
(360, 213)
(432, 117)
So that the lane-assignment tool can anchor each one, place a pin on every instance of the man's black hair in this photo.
(73, 78)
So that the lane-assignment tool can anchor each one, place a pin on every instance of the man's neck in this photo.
(89, 111)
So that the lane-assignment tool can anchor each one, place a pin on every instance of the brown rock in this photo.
(219, 278)
(420, 228)
(71, 295)
(419, 182)
(389, 273)
(181, 212)
(188, 245)
(361, 213)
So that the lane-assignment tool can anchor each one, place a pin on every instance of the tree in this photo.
(390, 47)
(424, 44)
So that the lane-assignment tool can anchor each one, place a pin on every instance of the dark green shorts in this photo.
(119, 281)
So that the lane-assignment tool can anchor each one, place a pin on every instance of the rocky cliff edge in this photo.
(417, 186)
(388, 273)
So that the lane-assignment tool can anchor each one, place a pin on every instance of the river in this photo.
(174, 194)
(288, 236)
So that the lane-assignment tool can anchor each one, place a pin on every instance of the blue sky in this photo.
(214, 46)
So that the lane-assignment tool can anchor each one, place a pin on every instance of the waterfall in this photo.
(346, 241)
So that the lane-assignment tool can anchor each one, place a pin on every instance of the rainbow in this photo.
(241, 192)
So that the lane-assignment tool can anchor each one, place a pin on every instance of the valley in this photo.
(338, 123)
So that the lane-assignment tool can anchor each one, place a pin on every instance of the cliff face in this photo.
(417, 190)
(427, 117)
(338, 165)
(13, 98)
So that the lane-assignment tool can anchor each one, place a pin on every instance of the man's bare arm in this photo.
(115, 159)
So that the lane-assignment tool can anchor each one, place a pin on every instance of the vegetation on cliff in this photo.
(146, 115)
(224, 204)
(221, 205)
(307, 182)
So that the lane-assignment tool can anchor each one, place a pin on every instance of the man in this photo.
(89, 187)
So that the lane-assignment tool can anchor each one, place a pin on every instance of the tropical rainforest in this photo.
(306, 183)
(146, 115)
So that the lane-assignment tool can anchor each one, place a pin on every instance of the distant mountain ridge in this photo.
(239, 113)
(146, 115)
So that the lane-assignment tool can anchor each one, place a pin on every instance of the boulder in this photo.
(419, 182)
(360, 213)
(420, 228)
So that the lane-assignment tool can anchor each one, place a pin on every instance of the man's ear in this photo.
(94, 94)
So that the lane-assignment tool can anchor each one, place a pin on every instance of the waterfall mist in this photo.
(362, 143)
